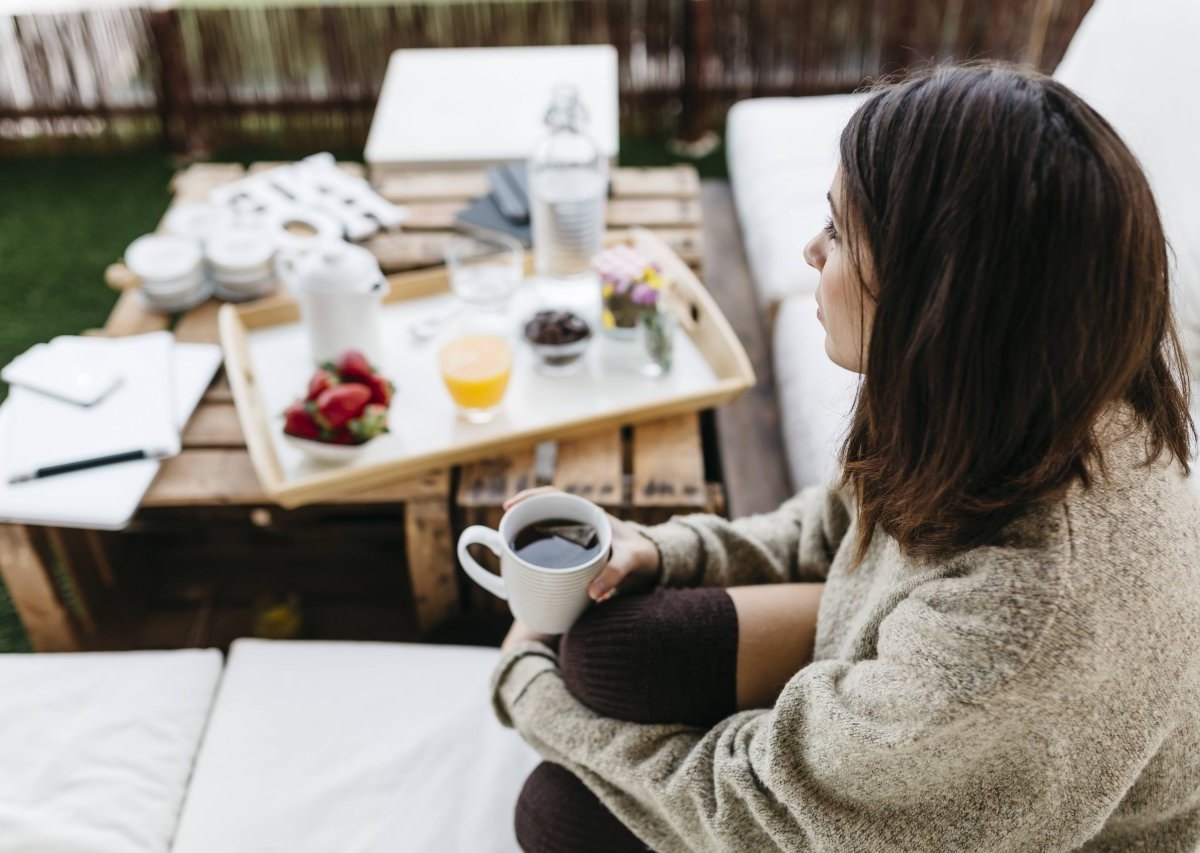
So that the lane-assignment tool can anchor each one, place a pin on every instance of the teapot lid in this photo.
(338, 267)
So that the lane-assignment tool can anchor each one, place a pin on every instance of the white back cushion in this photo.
(96, 748)
(782, 156)
(1138, 63)
(355, 747)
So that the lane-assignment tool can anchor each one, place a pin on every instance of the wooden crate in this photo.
(645, 473)
(206, 507)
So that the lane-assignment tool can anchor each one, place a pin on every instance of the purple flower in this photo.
(643, 294)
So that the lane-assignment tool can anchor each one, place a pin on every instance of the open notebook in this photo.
(162, 382)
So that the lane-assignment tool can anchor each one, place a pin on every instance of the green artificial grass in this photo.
(64, 219)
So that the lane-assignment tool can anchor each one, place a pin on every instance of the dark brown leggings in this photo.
(664, 656)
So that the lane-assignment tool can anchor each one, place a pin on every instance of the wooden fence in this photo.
(307, 76)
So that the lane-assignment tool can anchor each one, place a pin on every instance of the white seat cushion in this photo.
(815, 395)
(323, 746)
(782, 154)
(96, 748)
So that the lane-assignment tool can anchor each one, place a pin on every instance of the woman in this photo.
(987, 636)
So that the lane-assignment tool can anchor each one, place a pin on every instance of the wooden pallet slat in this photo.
(131, 317)
(196, 181)
(590, 466)
(219, 391)
(627, 182)
(668, 463)
(199, 325)
(649, 212)
(216, 477)
(619, 213)
(214, 425)
(489, 482)
(47, 621)
(405, 188)
(397, 251)
(655, 181)
(431, 564)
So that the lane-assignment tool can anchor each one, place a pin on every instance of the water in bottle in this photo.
(568, 188)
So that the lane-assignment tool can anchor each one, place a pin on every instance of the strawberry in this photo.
(353, 366)
(370, 423)
(382, 389)
(321, 380)
(299, 422)
(337, 406)
(343, 436)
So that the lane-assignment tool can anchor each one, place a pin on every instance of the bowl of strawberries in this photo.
(344, 408)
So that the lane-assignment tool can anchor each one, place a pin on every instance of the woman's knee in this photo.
(557, 813)
(668, 655)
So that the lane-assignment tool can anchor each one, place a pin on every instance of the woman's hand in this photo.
(634, 564)
(520, 632)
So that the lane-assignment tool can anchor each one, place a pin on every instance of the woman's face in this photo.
(841, 308)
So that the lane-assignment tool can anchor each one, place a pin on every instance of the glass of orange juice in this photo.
(476, 368)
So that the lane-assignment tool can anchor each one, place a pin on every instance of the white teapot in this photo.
(340, 290)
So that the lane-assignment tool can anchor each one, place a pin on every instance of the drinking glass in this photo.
(485, 269)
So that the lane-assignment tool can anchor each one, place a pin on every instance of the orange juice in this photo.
(476, 369)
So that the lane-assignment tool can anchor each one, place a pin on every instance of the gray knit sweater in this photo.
(1039, 693)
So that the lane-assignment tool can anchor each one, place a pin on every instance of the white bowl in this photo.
(231, 293)
(197, 220)
(326, 452)
(240, 251)
(169, 288)
(164, 257)
(250, 277)
(176, 303)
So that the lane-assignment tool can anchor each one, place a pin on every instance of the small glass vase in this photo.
(657, 330)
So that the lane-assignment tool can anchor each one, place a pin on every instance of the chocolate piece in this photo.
(556, 327)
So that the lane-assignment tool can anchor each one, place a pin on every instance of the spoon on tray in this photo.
(425, 328)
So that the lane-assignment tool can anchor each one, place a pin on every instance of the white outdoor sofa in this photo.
(1135, 61)
(303, 747)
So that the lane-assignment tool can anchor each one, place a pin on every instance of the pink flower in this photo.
(643, 294)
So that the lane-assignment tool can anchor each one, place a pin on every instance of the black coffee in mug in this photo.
(556, 543)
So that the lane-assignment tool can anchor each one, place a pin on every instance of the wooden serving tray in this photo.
(266, 360)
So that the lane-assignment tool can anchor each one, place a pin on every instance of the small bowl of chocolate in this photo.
(559, 339)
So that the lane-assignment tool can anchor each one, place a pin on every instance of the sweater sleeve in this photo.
(951, 739)
(795, 542)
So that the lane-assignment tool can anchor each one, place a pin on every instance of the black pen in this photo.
(83, 464)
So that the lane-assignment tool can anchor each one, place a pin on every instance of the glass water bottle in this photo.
(568, 188)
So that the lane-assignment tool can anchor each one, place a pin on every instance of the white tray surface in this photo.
(423, 419)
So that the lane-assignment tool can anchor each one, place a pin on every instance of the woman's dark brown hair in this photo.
(1019, 276)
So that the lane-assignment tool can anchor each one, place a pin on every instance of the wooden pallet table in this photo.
(647, 472)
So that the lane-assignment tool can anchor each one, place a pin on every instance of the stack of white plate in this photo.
(241, 261)
(171, 269)
(198, 220)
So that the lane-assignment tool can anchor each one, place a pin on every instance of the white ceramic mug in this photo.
(547, 600)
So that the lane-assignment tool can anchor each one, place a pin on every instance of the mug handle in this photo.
(477, 534)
